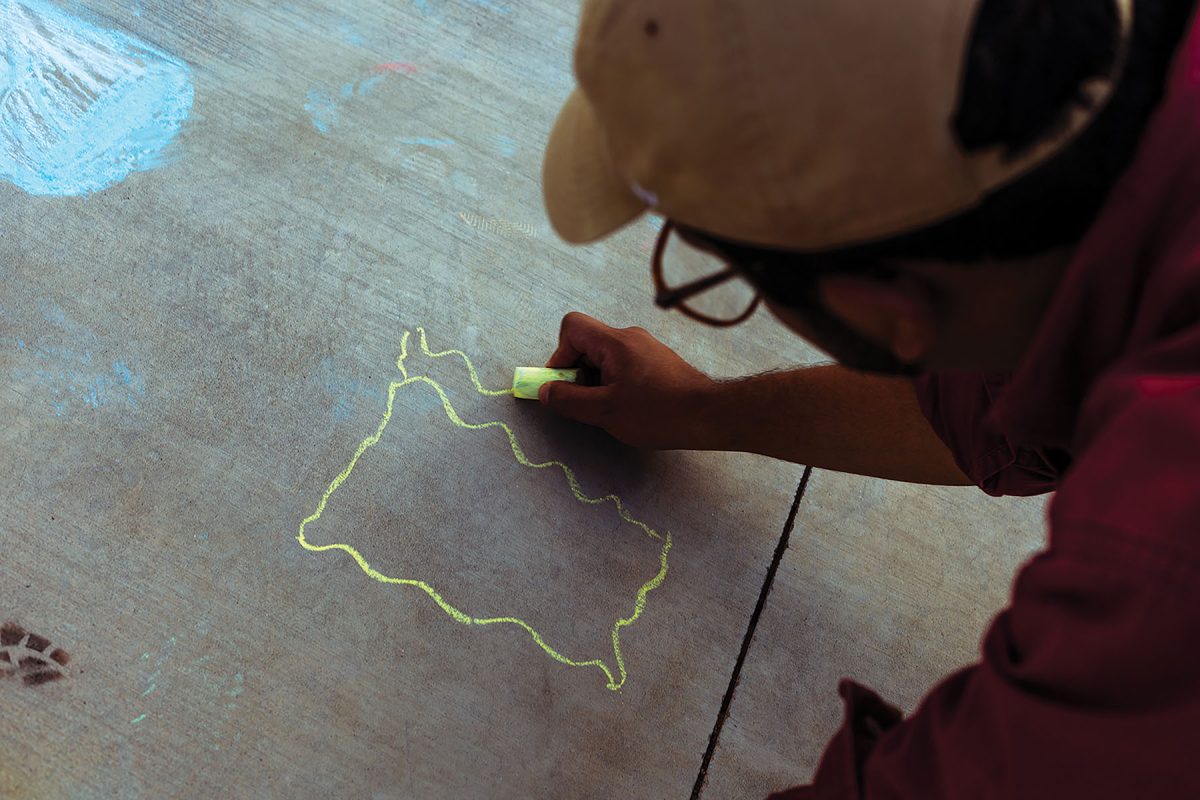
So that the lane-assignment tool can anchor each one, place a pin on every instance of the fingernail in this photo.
(543, 393)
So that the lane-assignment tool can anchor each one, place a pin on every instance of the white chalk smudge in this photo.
(498, 227)
(82, 107)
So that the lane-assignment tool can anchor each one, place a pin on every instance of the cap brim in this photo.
(585, 196)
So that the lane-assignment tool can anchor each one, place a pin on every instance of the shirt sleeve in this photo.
(1087, 685)
(956, 405)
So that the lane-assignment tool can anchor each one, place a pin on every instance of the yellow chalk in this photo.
(527, 380)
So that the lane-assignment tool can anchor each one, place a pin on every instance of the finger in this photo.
(581, 338)
(586, 404)
(567, 353)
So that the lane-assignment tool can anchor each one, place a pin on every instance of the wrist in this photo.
(712, 417)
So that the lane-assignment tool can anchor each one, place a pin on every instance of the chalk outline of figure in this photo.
(614, 680)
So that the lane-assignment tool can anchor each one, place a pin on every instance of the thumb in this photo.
(580, 403)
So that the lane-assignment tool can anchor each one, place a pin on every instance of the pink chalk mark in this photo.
(396, 66)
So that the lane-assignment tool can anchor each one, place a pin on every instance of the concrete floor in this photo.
(194, 354)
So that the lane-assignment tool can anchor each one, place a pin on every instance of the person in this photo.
(988, 212)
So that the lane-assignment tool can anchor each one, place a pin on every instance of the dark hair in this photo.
(1026, 64)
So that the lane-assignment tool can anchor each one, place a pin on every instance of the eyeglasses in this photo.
(677, 263)
(788, 278)
(697, 273)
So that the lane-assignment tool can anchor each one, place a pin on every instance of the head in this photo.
(969, 290)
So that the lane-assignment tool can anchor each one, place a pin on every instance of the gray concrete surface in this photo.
(192, 355)
(889, 584)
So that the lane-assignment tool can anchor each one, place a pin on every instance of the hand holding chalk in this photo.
(630, 384)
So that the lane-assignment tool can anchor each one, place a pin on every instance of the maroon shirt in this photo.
(1089, 682)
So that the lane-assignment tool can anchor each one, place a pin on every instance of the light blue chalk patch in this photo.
(71, 379)
(324, 108)
(82, 107)
(121, 371)
(464, 183)
(504, 145)
(344, 390)
(55, 313)
(424, 141)
(343, 412)
(93, 397)
(126, 377)
(350, 34)
(150, 689)
(137, 719)
(322, 111)
(367, 84)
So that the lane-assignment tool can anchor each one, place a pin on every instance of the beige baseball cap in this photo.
(806, 125)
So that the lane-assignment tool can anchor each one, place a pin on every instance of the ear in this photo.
(898, 314)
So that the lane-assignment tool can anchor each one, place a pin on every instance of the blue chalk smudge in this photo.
(350, 34)
(324, 107)
(321, 110)
(345, 391)
(82, 107)
(124, 376)
(504, 145)
(425, 141)
(367, 84)
(72, 380)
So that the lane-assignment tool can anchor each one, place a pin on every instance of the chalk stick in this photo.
(527, 380)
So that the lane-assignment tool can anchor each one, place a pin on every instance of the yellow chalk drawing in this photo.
(615, 682)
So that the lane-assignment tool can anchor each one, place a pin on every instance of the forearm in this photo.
(833, 418)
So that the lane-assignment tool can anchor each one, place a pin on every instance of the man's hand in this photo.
(647, 397)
